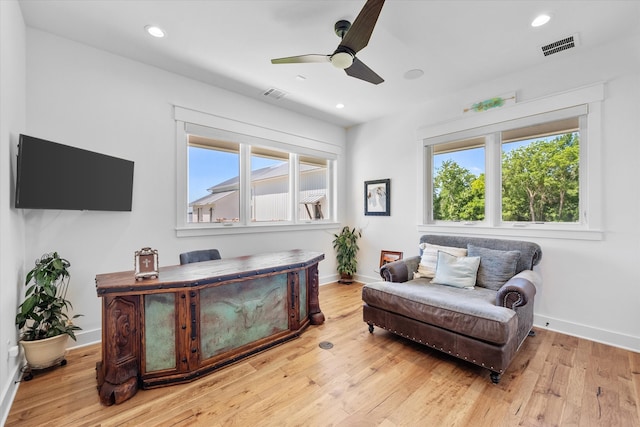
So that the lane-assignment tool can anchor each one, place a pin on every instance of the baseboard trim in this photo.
(10, 394)
(369, 279)
(616, 339)
(325, 280)
(85, 338)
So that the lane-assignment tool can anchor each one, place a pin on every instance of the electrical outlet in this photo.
(14, 351)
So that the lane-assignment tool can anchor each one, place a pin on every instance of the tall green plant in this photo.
(346, 245)
(43, 314)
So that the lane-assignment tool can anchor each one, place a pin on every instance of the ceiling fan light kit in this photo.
(342, 60)
(355, 37)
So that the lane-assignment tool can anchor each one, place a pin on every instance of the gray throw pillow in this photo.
(496, 267)
(459, 272)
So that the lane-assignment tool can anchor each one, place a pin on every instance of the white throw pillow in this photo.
(429, 259)
(459, 272)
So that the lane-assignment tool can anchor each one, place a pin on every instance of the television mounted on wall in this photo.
(56, 176)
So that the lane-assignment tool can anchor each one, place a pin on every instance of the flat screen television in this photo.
(57, 176)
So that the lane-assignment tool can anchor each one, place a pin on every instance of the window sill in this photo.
(217, 230)
(548, 231)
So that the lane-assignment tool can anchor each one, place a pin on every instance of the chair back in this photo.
(199, 256)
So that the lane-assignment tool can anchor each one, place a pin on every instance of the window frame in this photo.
(585, 102)
(191, 122)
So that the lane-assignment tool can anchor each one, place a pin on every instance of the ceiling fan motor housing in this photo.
(341, 27)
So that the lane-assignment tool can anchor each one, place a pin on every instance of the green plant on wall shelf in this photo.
(346, 245)
(43, 314)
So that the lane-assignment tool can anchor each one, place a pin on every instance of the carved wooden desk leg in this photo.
(315, 315)
(118, 371)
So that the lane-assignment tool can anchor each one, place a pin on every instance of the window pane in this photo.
(313, 198)
(540, 177)
(269, 185)
(214, 190)
(459, 180)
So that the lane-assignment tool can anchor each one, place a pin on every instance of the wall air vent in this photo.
(560, 45)
(274, 93)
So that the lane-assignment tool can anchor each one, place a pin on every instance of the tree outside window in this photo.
(539, 175)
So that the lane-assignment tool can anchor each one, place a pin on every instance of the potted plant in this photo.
(42, 317)
(346, 245)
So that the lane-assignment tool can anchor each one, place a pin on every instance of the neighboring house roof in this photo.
(211, 198)
(230, 186)
(261, 174)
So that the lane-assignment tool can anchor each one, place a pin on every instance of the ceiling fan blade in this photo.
(359, 34)
(362, 72)
(302, 59)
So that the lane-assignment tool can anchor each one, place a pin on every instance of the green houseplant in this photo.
(43, 314)
(346, 245)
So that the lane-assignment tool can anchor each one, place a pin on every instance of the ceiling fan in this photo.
(355, 37)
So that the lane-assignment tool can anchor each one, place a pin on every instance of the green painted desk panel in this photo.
(240, 313)
(160, 331)
(302, 300)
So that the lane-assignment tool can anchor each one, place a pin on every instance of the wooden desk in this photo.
(196, 318)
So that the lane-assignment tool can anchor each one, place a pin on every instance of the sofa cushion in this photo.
(531, 253)
(496, 267)
(470, 312)
(429, 258)
(459, 272)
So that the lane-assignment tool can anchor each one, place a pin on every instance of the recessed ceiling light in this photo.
(155, 31)
(339, 106)
(540, 20)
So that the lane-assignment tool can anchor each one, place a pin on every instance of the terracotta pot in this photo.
(44, 353)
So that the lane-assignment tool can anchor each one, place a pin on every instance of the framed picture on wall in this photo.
(389, 256)
(377, 197)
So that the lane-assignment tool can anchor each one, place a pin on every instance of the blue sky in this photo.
(473, 160)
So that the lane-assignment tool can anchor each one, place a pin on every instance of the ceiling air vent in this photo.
(560, 45)
(274, 93)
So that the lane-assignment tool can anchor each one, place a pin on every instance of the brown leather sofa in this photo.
(483, 326)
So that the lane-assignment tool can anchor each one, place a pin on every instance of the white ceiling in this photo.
(458, 44)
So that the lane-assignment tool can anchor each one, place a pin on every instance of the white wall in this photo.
(591, 288)
(12, 122)
(91, 99)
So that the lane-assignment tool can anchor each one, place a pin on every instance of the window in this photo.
(214, 186)
(237, 181)
(314, 180)
(269, 185)
(535, 173)
(540, 173)
(458, 180)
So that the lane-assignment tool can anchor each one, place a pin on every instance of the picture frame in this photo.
(146, 264)
(377, 197)
(389, 256)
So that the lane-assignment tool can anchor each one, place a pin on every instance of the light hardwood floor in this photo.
(364, 380)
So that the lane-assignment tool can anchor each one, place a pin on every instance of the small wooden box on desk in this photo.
(195, 318)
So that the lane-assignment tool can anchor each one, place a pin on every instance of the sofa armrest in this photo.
(401, 270)
(518, 290)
